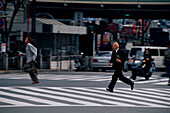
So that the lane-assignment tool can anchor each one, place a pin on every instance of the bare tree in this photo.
(13, 7)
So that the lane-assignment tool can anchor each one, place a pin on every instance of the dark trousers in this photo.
(33, 76)
(118, 74)
(32, 73)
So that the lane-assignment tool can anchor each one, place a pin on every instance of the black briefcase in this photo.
(30, 66)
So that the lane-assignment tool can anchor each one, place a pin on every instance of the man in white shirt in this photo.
(31, 53)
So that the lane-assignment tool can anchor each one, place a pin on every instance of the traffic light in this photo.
(91, 29)
(102, 26)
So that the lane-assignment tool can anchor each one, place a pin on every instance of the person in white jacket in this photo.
(31, 54)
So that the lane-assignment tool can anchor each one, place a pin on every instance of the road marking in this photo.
(123, 97)
(93, 98)
(81, 96)
(49, 96)
(16, 103)
(145, 97)
(34, 99)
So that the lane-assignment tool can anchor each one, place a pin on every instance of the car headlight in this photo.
(137, 61)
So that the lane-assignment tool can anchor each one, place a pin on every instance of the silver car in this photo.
(101, 60)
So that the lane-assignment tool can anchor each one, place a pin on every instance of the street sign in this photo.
(1, 4)
(1, 22)
(3, 47)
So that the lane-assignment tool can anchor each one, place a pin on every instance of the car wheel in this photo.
(103, 70)
(133, 77)
(147, 78)
(125, 69)
(95, 69)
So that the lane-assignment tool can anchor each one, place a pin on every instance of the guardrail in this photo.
(63, 62)
(1, 62)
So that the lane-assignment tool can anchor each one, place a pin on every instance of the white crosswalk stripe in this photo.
(80, 77)
(83, 96)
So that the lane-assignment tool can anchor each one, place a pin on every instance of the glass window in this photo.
(162, 52)
(154, 52)
(134, 50)
(104, 54)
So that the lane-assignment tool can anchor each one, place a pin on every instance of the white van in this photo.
(157, 54)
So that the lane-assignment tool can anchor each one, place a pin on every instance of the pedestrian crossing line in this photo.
(30, 98)
(161, 83)
(79, 77)
(123, 97)
(146, 97)
(79, 96)
(151, 81)
(95, 98)
(17, 103)
(155, 90)
(167, 89)
(54, 97)
(143, 91)
(89, 96)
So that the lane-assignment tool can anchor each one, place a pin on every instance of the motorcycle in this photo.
(80, 63)
(142, 66)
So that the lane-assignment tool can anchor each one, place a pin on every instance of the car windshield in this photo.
(104, 54)
(139, 54)
(134, 50)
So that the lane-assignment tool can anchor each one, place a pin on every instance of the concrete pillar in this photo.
(86, 61)
(40, 61)
(55, 45)
(49, 59)
(5, 61)
(90, 62)
(20, 62)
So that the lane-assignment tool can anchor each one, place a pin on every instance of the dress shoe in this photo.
(35, 82)
(132, 85)
(108, 89)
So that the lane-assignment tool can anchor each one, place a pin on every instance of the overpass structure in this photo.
(143, 9)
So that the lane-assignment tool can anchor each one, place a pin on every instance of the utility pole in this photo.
(143, 32)
(33, 35)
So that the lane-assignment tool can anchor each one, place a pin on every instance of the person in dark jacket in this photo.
(167, 62)
(118, 60)
(147, 57)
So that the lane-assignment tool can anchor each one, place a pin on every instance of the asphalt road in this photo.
(82, 92)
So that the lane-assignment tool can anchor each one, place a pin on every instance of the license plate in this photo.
(103, 60)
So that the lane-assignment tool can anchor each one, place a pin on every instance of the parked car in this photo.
(101, 60)
(168, 23)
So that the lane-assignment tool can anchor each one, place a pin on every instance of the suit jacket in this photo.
(120, 55)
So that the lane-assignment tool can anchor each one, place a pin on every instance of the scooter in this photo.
(142, 67)
(80, 63)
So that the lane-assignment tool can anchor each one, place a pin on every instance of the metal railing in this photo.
(1, 62)
(63, 62)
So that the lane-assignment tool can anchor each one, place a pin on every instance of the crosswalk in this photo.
(80, 77)
(83, 96)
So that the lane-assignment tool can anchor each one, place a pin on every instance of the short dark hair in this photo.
(32, 41)
(29, 39)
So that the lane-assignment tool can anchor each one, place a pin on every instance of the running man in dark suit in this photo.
(118, 60)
